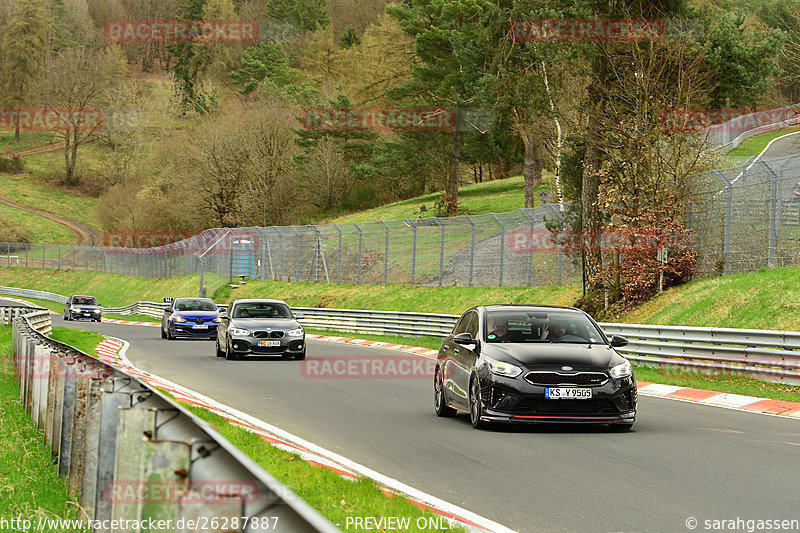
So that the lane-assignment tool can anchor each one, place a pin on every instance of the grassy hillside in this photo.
(767, 299)
(496, 196)
(40, 228)
(117, 290)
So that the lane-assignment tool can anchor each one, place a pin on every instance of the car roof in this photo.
(259, 301)
(531, 307)
(81, 296)
(191, 298)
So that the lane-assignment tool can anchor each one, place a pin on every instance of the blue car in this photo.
(190, 318)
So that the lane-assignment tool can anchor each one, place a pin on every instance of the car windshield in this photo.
(262, 310)
(195, 305)
(83, 300)
(541, 326)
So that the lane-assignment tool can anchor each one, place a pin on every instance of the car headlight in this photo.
(178, 319)
(621, 370)
(217, 320)
(239, 331)
(503, 369)
(97, 311)
(295, 332)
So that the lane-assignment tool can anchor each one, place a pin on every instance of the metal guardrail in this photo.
(39, 318)
(766, 354)
(133, 454)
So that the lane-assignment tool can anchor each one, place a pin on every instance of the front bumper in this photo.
(249, 345)
(518, 401)
(85, 315)
(188, 330)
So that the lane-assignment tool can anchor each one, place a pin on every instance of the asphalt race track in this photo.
(681, 460)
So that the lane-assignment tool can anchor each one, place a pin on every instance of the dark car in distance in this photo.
(525, 363)
(82, 308)
(190, 318)
(260, 327)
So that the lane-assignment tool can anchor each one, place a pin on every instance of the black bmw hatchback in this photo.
(524, 363)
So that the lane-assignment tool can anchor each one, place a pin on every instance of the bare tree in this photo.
(76, 82)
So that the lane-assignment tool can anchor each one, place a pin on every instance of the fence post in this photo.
(502, 244)
(385, 253)
(441, 249)
(339, 255)
(773, 215)
(471, 248)
(360, 250)
(413, 251)
(726, 238)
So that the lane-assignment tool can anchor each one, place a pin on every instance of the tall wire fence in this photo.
(745, 218)
(476, 250)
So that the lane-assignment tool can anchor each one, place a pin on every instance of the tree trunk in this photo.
(67, 168)
(451, 196)
(590, 208)
(532, 167)
(16, 126)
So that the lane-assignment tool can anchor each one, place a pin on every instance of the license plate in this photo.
(269, 343)
(567, 393)
(199, 327)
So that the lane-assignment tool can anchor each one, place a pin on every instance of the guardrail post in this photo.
(385, 253)
(67, 416)
(78, 444)
(112, 398)
(502, 244)
(91, 454)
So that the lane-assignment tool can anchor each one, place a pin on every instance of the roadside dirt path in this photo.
(52, 147)
(85, 235)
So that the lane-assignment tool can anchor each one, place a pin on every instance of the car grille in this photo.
(565, 407)
(586, 379)
(268, 334)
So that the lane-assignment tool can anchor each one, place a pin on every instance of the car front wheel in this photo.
(220, 353)
(229, 355)
(439, 401)
(476, 406)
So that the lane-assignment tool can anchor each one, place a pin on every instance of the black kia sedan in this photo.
(524, 363)
(260, 327)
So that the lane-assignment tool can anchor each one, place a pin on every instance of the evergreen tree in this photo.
(25, 52)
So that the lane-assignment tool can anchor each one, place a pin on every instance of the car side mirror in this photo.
(223, 315)
(299, 316)
(464, 338)
(618, 341)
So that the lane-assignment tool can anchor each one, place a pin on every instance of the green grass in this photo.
(41, 229)
(37, 187)
(111, 290)
(29, 484)
(754, 145)
(27, 139)
(767, 299)
(85, 341)
(496, 196)
(332, 495)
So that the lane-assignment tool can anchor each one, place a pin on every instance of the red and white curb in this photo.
(112, 351)
(738, 402)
